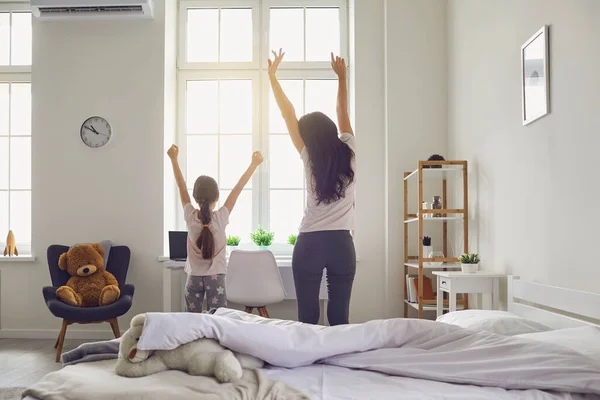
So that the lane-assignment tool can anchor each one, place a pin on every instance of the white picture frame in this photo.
(535, 77)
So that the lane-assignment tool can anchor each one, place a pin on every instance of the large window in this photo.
(15, 125)
(227, 110)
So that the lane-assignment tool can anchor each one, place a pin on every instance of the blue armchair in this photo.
(118, 264)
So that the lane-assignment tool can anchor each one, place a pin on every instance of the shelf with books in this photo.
(443, 214)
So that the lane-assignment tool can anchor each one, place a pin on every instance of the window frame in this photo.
(185, 76)
(11, 8)
(257, 71)
(185, 5)
(16, 74)
(266, 6)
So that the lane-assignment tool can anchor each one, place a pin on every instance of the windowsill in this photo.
(279, 259)
(23, 258)
(282, 261)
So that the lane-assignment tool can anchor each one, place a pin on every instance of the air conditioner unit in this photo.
(92, 9)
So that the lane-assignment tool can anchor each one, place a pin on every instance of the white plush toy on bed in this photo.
(201, 357)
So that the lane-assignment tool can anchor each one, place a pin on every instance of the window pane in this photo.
(4, 108)
(285, 166)
(286, 207)
(235, 102)
(21, 39)
(202, 111)
(322, 33)
(3, 215)
(321, 96)
(240, 222)
(20, 216)
(4, 38)
(20, 109)
(202, 158)
(20, 163)
(3, 164)
(236, 34)
(294, 91)
(287, 32)
(203, 35)
(236, 153)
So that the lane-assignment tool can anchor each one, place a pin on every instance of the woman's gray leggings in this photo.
(313, 252)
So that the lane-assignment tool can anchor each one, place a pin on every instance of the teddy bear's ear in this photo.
(62, 261)
(99, 249)
(138, 320)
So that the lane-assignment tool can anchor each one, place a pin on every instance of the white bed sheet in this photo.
(326, 382)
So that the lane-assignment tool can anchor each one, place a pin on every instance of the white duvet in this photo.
(400, 347)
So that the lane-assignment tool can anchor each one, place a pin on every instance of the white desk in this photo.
(170, 268)
(453, 282)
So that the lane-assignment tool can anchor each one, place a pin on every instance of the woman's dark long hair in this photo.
(206, 192)
(330, 159)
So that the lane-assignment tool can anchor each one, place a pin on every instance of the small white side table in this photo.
(453, 282)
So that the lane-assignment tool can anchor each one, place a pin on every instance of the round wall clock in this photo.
(96, 132)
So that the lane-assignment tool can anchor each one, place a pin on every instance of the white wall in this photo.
(533, 192)
(416, 104)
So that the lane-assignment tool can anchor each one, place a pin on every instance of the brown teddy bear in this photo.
(90, 284)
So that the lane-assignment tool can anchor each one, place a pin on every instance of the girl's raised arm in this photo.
(257, 159)
(173, 153)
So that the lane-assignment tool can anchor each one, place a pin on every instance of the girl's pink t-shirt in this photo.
(195, 264)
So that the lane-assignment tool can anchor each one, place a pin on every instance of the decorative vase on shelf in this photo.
(469, 268)
(436, 205)
(436, 254)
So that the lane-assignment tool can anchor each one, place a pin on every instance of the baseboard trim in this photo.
(53, 334)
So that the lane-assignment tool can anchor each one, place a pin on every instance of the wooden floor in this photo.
(25, 361)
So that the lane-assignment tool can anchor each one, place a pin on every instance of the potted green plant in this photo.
(469, 263)
(262, 238)
(292, 239)
(427, 248)
(232, 242)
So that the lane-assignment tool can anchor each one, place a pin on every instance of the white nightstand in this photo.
(459, 282)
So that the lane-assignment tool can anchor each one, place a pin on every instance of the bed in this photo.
(538, 316)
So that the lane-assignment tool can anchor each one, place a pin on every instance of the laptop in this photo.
(178, 245)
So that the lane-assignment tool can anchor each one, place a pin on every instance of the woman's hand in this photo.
(173, 152)
(257, 159)
(339, 66)
(273, 65)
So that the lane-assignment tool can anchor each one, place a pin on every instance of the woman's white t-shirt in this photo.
(338, 215)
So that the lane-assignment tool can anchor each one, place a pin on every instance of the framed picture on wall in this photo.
(535, 77)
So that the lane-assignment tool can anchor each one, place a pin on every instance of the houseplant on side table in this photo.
(469, 263)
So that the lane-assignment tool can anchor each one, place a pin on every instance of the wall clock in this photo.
(96, 132)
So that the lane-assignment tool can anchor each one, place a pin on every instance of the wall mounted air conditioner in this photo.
(92, 9)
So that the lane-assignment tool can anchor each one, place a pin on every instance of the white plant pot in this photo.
(427, 250)
(469, 268)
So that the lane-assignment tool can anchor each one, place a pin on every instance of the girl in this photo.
(324, 240)
(206, 245)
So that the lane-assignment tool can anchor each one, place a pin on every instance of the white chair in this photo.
(253, 280)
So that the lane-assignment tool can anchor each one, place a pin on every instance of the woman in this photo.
(324, 240)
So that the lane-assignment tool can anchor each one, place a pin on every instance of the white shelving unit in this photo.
(433, 171)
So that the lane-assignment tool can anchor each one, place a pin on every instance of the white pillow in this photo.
(494, 321)
(584, 340)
